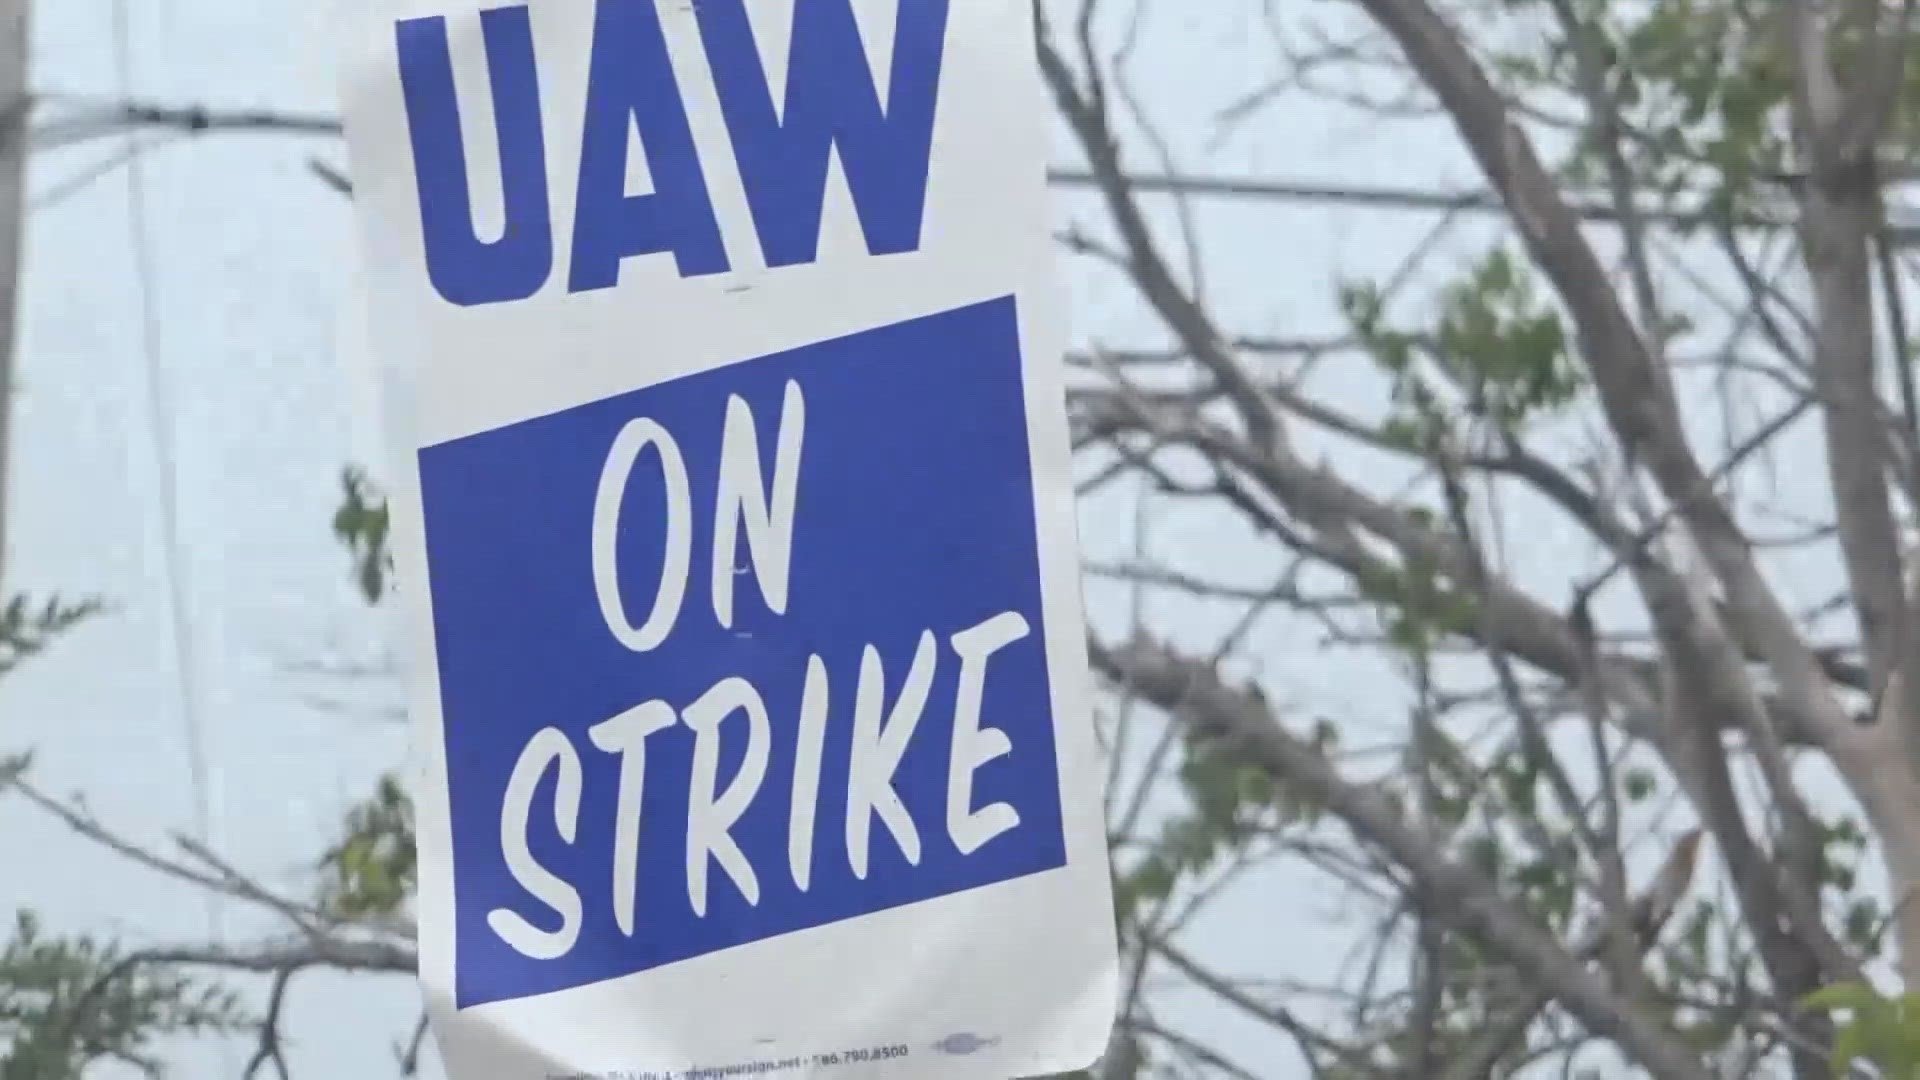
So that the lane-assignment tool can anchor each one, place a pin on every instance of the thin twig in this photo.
(269, 1049)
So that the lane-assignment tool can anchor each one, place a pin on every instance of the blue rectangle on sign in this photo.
(892, 691)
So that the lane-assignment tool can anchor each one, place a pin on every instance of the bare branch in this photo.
(269, 1050)
(1645, 419)
(416, 1044)
(1466, 901)
(91, 120)
(1312, 1042)
(335, 952)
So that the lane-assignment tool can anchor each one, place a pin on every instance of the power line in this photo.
(166, 462)
(94, 119)
(1219, 187)
(1381, 197)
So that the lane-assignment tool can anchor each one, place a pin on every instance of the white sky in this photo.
(251, 254)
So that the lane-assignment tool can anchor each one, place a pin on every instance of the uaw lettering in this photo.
(781, 150)
(755, 650)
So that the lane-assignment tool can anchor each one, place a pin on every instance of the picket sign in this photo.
(733, 514)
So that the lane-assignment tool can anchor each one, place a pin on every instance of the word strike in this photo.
(743, 503)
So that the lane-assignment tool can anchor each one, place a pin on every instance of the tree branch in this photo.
(1641, 409)
(1464, 899)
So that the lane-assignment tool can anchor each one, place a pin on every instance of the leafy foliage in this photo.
(1230, 804)
(372, 870)
(28, 626)
(362, 524)
(1495, 355)
(1883, 1032)
(66, 1002)
(1701, 87)
(43, 1036)
(1419, 605)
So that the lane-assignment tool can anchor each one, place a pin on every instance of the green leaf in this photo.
(1639, 784)
(362, 523)
(69, 1002)
(1880, 1031)
(372, 870)
(1862, 923)
(1840, 997)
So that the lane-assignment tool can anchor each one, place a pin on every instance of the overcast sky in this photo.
(251, 261)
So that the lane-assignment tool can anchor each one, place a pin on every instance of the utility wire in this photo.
(92, 119)
(166, 462)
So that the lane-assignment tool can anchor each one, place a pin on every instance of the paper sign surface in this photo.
(734, 517)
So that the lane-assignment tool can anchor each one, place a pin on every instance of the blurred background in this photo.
(1498, 450)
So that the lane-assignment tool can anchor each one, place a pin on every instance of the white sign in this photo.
(736, 514)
